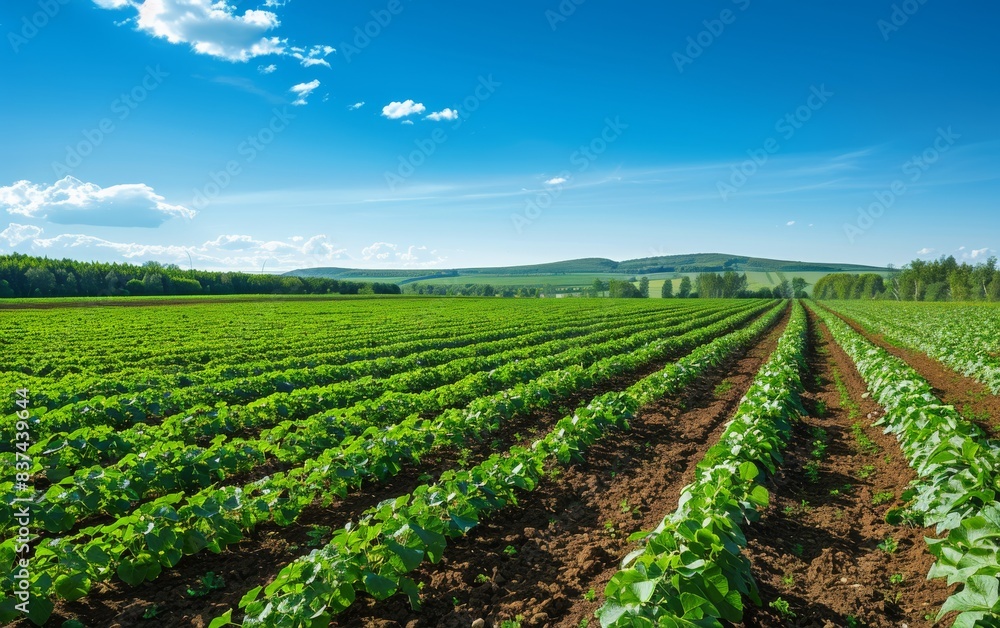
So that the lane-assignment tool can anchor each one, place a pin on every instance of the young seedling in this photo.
(798, 550)
(866, 471)
(883, 498)
(150, 612)
(788, 580)
(510, 551)
(208, 583)
(590, 595)
(512, 623)
(722, 388)
(783, 608)
(482, 579)
(889, 546)
(896, 579)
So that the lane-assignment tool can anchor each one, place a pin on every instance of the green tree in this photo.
(799, 287)
(644, 287)
(685, 287)
(667, 292)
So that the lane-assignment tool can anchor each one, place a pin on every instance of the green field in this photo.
(349, 444)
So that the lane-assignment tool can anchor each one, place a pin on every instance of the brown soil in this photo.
(818, 550)
(257, 559)
(974, 400)
(540, 559)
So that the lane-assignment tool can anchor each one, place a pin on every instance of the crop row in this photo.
(963, 337)
(138, 546)
(690, 571)
(166, 465)
(156, 394)
(397, 536)
(957, 468)
(91, 431)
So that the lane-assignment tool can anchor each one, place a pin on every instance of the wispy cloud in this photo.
(303, 91)
(357, 105)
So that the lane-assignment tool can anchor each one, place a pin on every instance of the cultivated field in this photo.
(488, 462)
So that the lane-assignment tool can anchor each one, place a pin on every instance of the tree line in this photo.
(26, 276)
(943, 279)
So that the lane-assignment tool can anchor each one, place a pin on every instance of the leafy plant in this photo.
(208, 583)
(783, 608)
(883, 498)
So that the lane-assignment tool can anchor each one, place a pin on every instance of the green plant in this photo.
(866, 471)
(853, 622)
(821, 409)
(722, 388)
(510, 551)
(798, 550)
(316, 535)
(788, 580)
(512, 623)
(883, 498)
(865, 445)
(208, 583)
(812, 471)
(896, 579)
(624, 505)
(783, 608)
(482, 579)
(584, 623)
(150, 612)
(590, 595)
(889, 545)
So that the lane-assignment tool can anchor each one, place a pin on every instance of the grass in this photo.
(722, 388)
(883, 498)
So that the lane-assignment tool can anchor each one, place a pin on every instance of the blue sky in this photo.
(400, 133)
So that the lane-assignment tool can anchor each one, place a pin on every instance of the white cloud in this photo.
(313, 56)
(215, 28)
(408, 122)
(977, 253)
(925, 251)
(15, 233)
(267, 69)
(70, 201)
(556, 181)
(378, 251)
(396, 110)
(302, 91)
(357, 105)
(444, 114)
(790, 223)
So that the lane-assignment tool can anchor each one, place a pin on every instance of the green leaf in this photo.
(222, 620)
(72, 588)
(378, 586)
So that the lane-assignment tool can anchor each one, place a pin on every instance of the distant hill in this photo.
(584, 270)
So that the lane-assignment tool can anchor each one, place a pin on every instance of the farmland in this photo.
(434, 462)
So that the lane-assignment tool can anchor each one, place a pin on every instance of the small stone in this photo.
(479, 623)
(843, 580)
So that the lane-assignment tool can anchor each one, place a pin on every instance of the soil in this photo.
(974, 400)
(539, 561)
(817, 545)
(257, 559)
